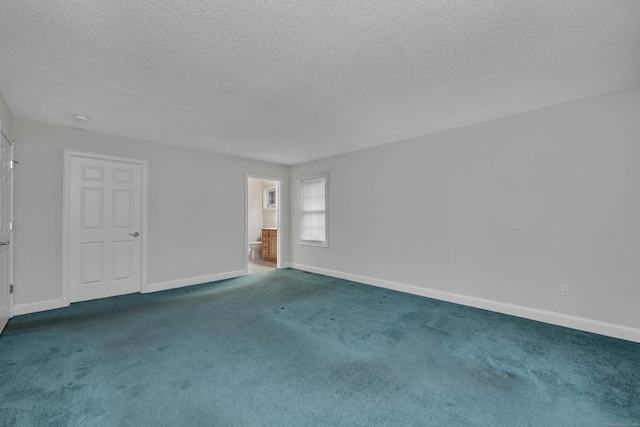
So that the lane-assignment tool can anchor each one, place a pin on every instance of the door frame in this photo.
(11, 218)
(68, 155)
(246, 217)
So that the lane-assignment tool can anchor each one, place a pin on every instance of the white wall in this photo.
(254, 228)
(270, 218)
(499, 212)
(196, 205)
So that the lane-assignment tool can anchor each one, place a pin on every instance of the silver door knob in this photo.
(136, 234)
(4, 243)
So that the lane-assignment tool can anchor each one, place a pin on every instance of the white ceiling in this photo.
(292, 81)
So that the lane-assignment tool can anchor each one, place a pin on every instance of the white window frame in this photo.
(301, 180)
(266, 206)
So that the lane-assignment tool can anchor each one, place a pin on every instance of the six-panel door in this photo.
(104, 228)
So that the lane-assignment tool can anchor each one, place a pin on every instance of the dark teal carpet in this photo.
(285, 348)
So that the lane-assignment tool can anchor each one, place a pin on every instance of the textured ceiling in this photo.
(292, 81)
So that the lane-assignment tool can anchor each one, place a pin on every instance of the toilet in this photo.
(255, 250)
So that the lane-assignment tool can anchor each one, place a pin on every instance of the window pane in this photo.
(312, 226)
(312, 209)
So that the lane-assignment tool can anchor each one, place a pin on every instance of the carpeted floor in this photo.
(285, 348)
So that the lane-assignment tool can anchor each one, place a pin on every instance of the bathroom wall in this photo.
(270, 219)
(254, 206)
(497, 215)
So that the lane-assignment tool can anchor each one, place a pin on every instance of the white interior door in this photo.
(5, 230)
(104, 226)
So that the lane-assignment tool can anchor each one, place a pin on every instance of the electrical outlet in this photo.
(193, 261)
(564, 289)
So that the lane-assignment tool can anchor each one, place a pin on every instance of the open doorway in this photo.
(263, 216)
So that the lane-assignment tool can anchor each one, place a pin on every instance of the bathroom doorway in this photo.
(263, 224)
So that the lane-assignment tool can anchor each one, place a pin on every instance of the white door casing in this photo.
(104, 225)
(6, 217)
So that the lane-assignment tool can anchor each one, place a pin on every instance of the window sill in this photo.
(312, 243)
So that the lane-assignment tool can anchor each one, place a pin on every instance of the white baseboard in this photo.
(34, 307)
(554, 318)
(568, 321)
(179, 283)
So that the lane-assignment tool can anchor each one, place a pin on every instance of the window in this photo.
(269, 198)
(313, 210)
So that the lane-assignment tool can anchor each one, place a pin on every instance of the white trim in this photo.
(300, 179)
(4, 135)
(68, 154)
(12, 220)
(13, 223)
(35, 307)
(12, 232)
(554, 318)
(59, 303)
(281, 234)
(179, 283)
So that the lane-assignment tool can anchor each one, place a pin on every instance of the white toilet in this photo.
(255, 250)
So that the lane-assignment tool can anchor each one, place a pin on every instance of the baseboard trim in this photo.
(554, 318)
(34, 307)
(179, 283)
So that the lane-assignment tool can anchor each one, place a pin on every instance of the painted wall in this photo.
(254, 228)
(196, 205)
(504, 211)
(5, 117)
(270, 217)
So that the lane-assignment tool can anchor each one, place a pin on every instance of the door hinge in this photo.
(13, 163)
(10, 226)
(10, 289)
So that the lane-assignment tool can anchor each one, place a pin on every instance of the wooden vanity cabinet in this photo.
(270, 245)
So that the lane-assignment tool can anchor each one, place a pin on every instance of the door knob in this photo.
(136, 234)
(4, 243)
